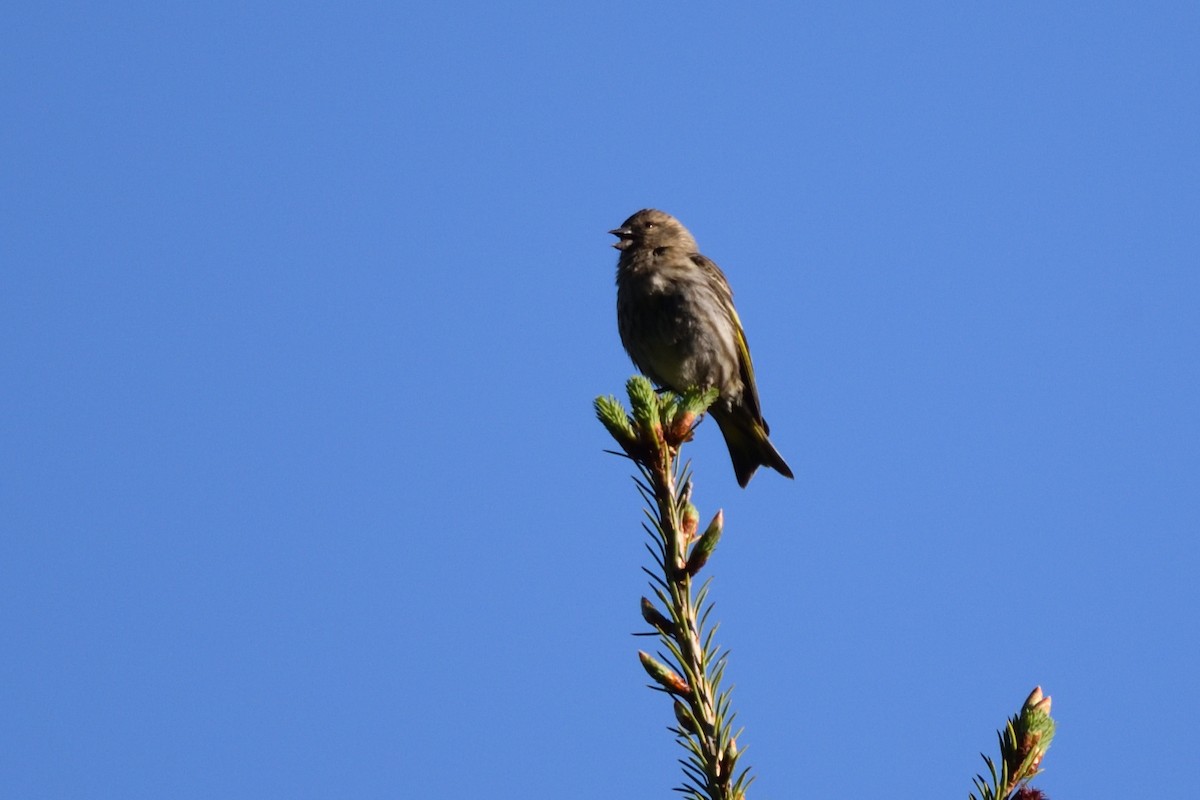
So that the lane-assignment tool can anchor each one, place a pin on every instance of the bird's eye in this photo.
(651, 224)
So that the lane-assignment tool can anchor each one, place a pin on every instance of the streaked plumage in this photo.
(677, 322)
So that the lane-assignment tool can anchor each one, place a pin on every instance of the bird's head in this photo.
(650, 228)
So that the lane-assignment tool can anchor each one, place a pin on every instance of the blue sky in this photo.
(304, 308)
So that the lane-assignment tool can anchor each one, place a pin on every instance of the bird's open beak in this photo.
(625, 235)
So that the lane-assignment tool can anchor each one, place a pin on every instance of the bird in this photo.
(677, 322)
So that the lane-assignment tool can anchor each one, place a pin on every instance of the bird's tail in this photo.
(749, 447)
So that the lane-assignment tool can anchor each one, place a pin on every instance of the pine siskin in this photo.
(677, 322)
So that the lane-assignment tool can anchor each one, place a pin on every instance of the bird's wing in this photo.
(717, 280)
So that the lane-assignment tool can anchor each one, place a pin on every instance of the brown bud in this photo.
(690, 521)
(656, 618)
(663, 675)
(685, 719)
(680, 429)
(706, 544)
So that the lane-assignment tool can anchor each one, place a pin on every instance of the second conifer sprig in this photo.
(1023, 744)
